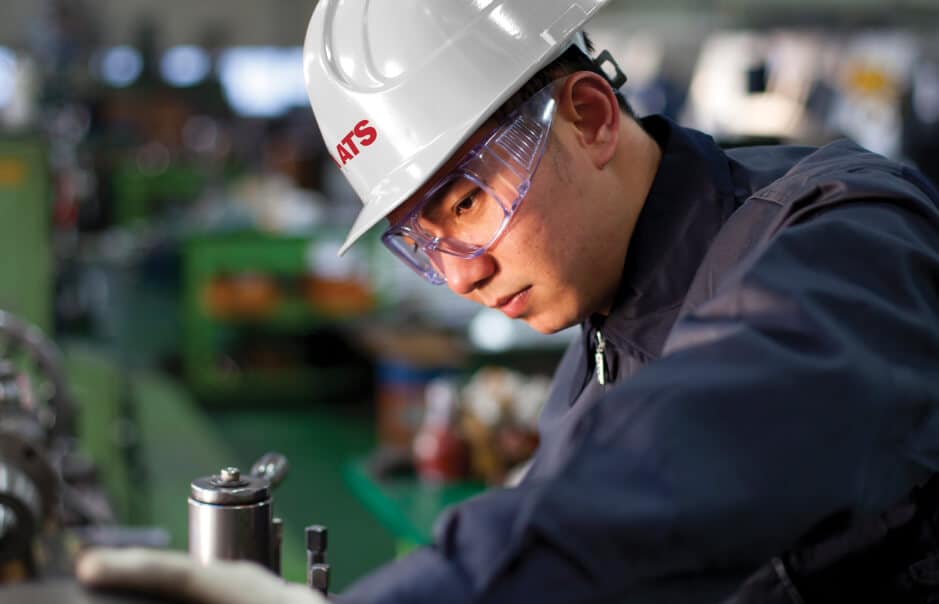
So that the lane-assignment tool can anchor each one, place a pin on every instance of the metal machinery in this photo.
(231, 518)
(51, 502)
(45, 482)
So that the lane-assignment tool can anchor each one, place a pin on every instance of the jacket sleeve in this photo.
(807, 385)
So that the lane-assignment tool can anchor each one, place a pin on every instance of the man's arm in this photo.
(804, 387)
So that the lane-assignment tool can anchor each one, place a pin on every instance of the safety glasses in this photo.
(466, 212)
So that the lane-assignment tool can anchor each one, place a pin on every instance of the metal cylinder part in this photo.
(231, 532)
(230, 518)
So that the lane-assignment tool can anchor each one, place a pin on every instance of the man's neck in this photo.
(636, 163)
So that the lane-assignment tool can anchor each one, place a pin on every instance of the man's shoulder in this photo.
(842, 171)
(840, 184)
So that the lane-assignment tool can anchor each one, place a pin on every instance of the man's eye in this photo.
(465, 204)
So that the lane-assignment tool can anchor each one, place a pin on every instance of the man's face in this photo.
(549, 268)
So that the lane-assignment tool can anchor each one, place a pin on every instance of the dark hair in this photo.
(571, 61)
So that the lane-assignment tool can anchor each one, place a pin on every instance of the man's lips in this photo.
(515, 304)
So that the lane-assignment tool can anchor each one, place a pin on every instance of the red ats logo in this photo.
(362, 134)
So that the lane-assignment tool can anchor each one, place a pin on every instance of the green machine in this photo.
(263, 322)
(25, 255)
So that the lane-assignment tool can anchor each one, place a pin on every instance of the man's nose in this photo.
(465, 275)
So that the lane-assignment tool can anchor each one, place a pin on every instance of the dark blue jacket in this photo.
(772, 358)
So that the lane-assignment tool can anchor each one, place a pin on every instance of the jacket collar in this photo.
(691, 197)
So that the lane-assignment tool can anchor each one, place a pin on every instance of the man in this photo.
(759, 326)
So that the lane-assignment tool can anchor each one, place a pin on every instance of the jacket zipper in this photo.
(600, 359)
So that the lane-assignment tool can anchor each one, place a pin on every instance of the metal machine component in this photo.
(27, 495)
(271, 467)
(36, 360)
(43, 476)
(230, 515)
(46, 483)
(317, 573)
(231, 518)
(28, 482)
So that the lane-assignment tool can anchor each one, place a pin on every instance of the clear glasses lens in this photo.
(415, 256)
(463, 211)
(469, 209)
(460, 220)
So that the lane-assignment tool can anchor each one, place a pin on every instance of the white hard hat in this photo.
(398, 85)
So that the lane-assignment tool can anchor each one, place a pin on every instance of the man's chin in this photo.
(548, 325)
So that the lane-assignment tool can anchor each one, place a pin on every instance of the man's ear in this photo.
(588, 102)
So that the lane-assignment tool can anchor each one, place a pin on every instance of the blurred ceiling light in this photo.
(121, 66)
(263, 81)
(7, 77)
(185, 65)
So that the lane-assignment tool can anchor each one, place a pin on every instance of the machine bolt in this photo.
(316, 542)
(230, 475)
(319, 578)
(317, 571)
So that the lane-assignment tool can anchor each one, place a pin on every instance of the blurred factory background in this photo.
(169, 220)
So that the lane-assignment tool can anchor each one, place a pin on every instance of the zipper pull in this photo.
(599, 359)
